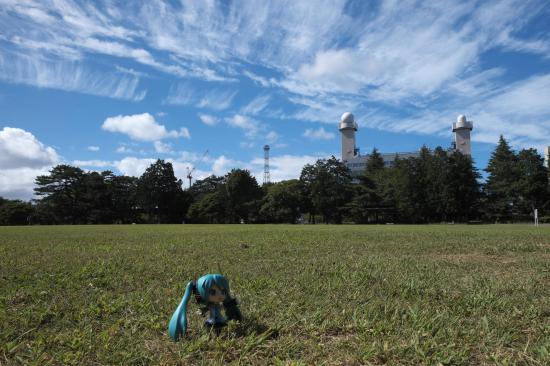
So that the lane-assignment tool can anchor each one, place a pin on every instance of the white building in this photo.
(357, 162)
(461, 129)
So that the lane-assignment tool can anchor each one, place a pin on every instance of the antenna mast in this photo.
(267, 177)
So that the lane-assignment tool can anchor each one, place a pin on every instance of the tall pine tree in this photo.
(366, 204)
(501, 187)
(533, 182)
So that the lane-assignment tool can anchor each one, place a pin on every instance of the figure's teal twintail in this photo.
(210, 290)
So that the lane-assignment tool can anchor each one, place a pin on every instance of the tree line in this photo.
(436, 186)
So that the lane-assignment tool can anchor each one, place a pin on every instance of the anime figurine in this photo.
(210, 290)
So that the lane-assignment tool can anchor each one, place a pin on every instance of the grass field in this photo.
(455, 295)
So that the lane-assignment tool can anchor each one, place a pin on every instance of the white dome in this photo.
(461, 119)
(347, 118)
(347, 121)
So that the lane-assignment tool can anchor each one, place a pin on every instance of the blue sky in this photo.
(116, 85)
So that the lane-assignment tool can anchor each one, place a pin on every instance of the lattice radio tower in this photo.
(267, 178)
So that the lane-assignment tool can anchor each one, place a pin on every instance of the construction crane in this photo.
(191, 170)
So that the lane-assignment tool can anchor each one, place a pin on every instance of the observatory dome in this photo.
(462, 123)
(348, 121)
(347, 118)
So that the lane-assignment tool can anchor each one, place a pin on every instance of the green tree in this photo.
(123, 195)
(461, 188)
(533, 182)
(282, 202)
(96, 198)
(243, 192)
(367, 204)
(63, 190)
(211, 208)
(160, 194)
(307, 178)
(501, 187)
(406, 189)
(375, 163)
(328, 185)
(207, 185)
(15, 212)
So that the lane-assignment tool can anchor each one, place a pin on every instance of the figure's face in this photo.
(216, 294)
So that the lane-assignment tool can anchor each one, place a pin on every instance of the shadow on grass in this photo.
(251, 326)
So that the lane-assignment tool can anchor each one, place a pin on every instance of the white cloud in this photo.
(162, 148)
(123, 150)
(92, 163)
(142, 127)
(208, 119)
(282, 167)
(271, 137)
(93, 148)
(319, 134)
(22, 158)
(222, 165)
(19, 183)
(184, 132)
(249, 125)
(19, 148)
(132, 166)
(191, 156)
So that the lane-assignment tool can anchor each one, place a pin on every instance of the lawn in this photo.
(353, 295)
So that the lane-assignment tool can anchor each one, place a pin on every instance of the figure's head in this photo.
(213, 288)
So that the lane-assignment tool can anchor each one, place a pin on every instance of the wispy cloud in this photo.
(186, 94)
(510, 110)
(208, 119)
(70, 76)
(256, 105)
(404, 60)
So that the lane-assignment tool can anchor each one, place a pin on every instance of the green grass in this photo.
(455, 295)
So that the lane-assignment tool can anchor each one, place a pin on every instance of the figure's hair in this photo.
(205, 283)
(178, 323)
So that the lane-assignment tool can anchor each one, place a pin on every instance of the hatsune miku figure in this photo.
(210, 290)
